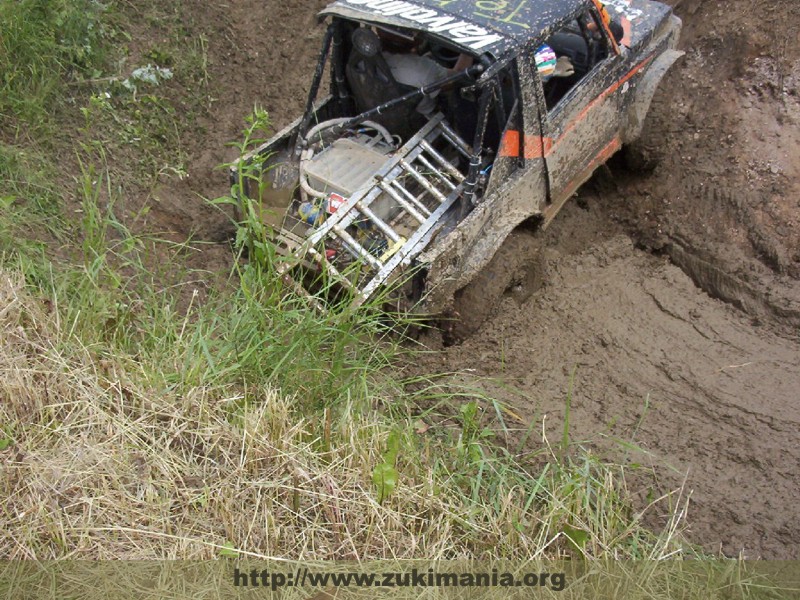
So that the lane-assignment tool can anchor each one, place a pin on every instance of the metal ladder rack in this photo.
(400, 206)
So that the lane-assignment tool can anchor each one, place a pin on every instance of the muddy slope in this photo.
(725, 203)
(260, 53)
(707, 394)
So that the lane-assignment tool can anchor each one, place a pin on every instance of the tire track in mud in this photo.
(721, 392)
(726, 286)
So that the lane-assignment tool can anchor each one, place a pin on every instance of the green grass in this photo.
(65, 72)
(27, 176)
(266, 451)
(42, 45)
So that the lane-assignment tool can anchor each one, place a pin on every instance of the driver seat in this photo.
(372, 84)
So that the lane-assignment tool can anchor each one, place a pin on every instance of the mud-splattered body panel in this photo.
(560, 146)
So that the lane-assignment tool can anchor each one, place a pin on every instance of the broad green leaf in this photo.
(576, 537)
(384, 476)
(228, 550)
(392, 448)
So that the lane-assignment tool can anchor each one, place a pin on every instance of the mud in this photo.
(705, 392)
(673, 296)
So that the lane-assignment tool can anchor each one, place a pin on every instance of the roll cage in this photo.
(479, 101)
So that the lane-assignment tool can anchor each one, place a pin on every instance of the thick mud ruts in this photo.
(705, 392)
(674, 294)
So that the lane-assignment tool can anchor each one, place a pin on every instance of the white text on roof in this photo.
(461, 32)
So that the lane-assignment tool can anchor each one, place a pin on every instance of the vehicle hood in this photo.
(640, 19)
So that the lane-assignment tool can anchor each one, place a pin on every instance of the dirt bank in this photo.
(258, 54)
(707, 387)
(725, 202)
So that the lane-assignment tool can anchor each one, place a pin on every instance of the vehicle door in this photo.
(518, 172)
(580, 114)
(516, 185)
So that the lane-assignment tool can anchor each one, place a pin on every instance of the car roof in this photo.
(479, 26)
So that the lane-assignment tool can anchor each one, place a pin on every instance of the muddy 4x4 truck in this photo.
(371, 193)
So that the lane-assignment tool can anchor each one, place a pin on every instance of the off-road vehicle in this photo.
(368, 188)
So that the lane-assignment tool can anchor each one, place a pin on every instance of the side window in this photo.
(570, 54)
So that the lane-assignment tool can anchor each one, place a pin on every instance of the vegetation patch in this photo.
(140, 421)
(249, 425)
(42, 45)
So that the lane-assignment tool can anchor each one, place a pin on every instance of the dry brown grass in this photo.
(104, 465)
(100, 467)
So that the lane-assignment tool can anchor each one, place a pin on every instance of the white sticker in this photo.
(335, 201)
(461, 32)
(623, 8)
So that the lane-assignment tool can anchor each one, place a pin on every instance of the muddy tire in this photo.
(474, 303)
(642, 157)
(645, 153)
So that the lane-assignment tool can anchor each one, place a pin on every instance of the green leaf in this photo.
(228, 550)
(384, 476)
(474, 452)
(392, 448)
(576, 537)
(4, 443)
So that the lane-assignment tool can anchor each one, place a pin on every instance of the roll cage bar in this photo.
(482, 76)
(333, 39)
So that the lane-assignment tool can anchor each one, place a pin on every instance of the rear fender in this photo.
(645, 90)
(455, 260)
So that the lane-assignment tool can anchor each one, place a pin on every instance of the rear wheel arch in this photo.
(645, 91)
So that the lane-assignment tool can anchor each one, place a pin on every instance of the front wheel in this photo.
(645, 153)
(476, 302)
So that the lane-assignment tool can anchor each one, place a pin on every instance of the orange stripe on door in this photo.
(532, 146)
(509, 145)
(537, 147)
(540, 147)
